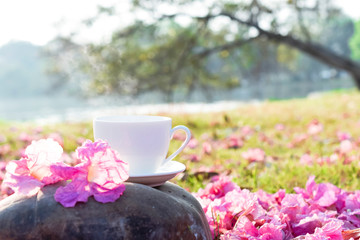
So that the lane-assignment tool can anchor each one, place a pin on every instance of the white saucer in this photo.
(165, 173)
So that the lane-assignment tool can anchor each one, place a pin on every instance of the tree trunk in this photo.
(319, 52)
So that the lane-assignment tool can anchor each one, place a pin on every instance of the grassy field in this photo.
(271, 145)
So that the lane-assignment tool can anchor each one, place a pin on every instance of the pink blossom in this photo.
(80, 140)
(254, 155)
(280, 127)
(346, 146)
(179, 136)
(320, 211)
(206, 148)
(101, 174)
(323, 194)
(24, 137)
(331, 230)
(234, 142)
(246, 131)
(5, 149)
(343, 136)
(2, 169)
(219, 186)
(266, 139)
(192, 157)
(306, 159)
(193, 143)
(32, 172)
(315, 127)
(270, 231)
(38, 130)
(298, 140)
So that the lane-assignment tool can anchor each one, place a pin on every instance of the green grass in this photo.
(337, 111)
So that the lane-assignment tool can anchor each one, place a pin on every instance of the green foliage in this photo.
(354, 42)
(154, 58)
(220, 47)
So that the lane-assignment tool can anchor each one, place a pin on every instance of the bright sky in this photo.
(39, 21)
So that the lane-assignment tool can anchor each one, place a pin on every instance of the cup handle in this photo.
(188, 137)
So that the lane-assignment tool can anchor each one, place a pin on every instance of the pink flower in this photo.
(32, 172)
(101, 174)
(343, 136)
(5, 149)
(271, 231)
(234, 142)
(246, 131)
(2, 169)
(298, 140)
(315, 127)
(323, 194)
(192, 157)
(193, 143)
(206, 148)
(331, 230)
(254, 155)
(218, 187)
(179, 136)
(280, 127)
(306, 159)
(346, 146)
(24, 137)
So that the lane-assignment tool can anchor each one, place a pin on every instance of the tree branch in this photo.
(315, 50)
(228, 46)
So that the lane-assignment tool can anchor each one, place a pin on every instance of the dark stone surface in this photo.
(142, 212)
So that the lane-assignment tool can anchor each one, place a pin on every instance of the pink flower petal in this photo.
(26, 185)
(105, 196)
(107, 170)
(65, 172)
(18, 167)
(76, 191)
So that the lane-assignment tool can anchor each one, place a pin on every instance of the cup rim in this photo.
(131, 118)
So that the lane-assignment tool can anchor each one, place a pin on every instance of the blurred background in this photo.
(72, 60)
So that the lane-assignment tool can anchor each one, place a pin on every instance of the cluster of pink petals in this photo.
(100, 172)
(320, 211)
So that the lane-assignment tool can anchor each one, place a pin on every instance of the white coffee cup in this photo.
(142, 141)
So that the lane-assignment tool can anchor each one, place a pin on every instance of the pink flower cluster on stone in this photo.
(29, 174)
(100, 172)
(320, 211)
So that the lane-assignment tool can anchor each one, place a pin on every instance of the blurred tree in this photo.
(355, 42)
(184, 45)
